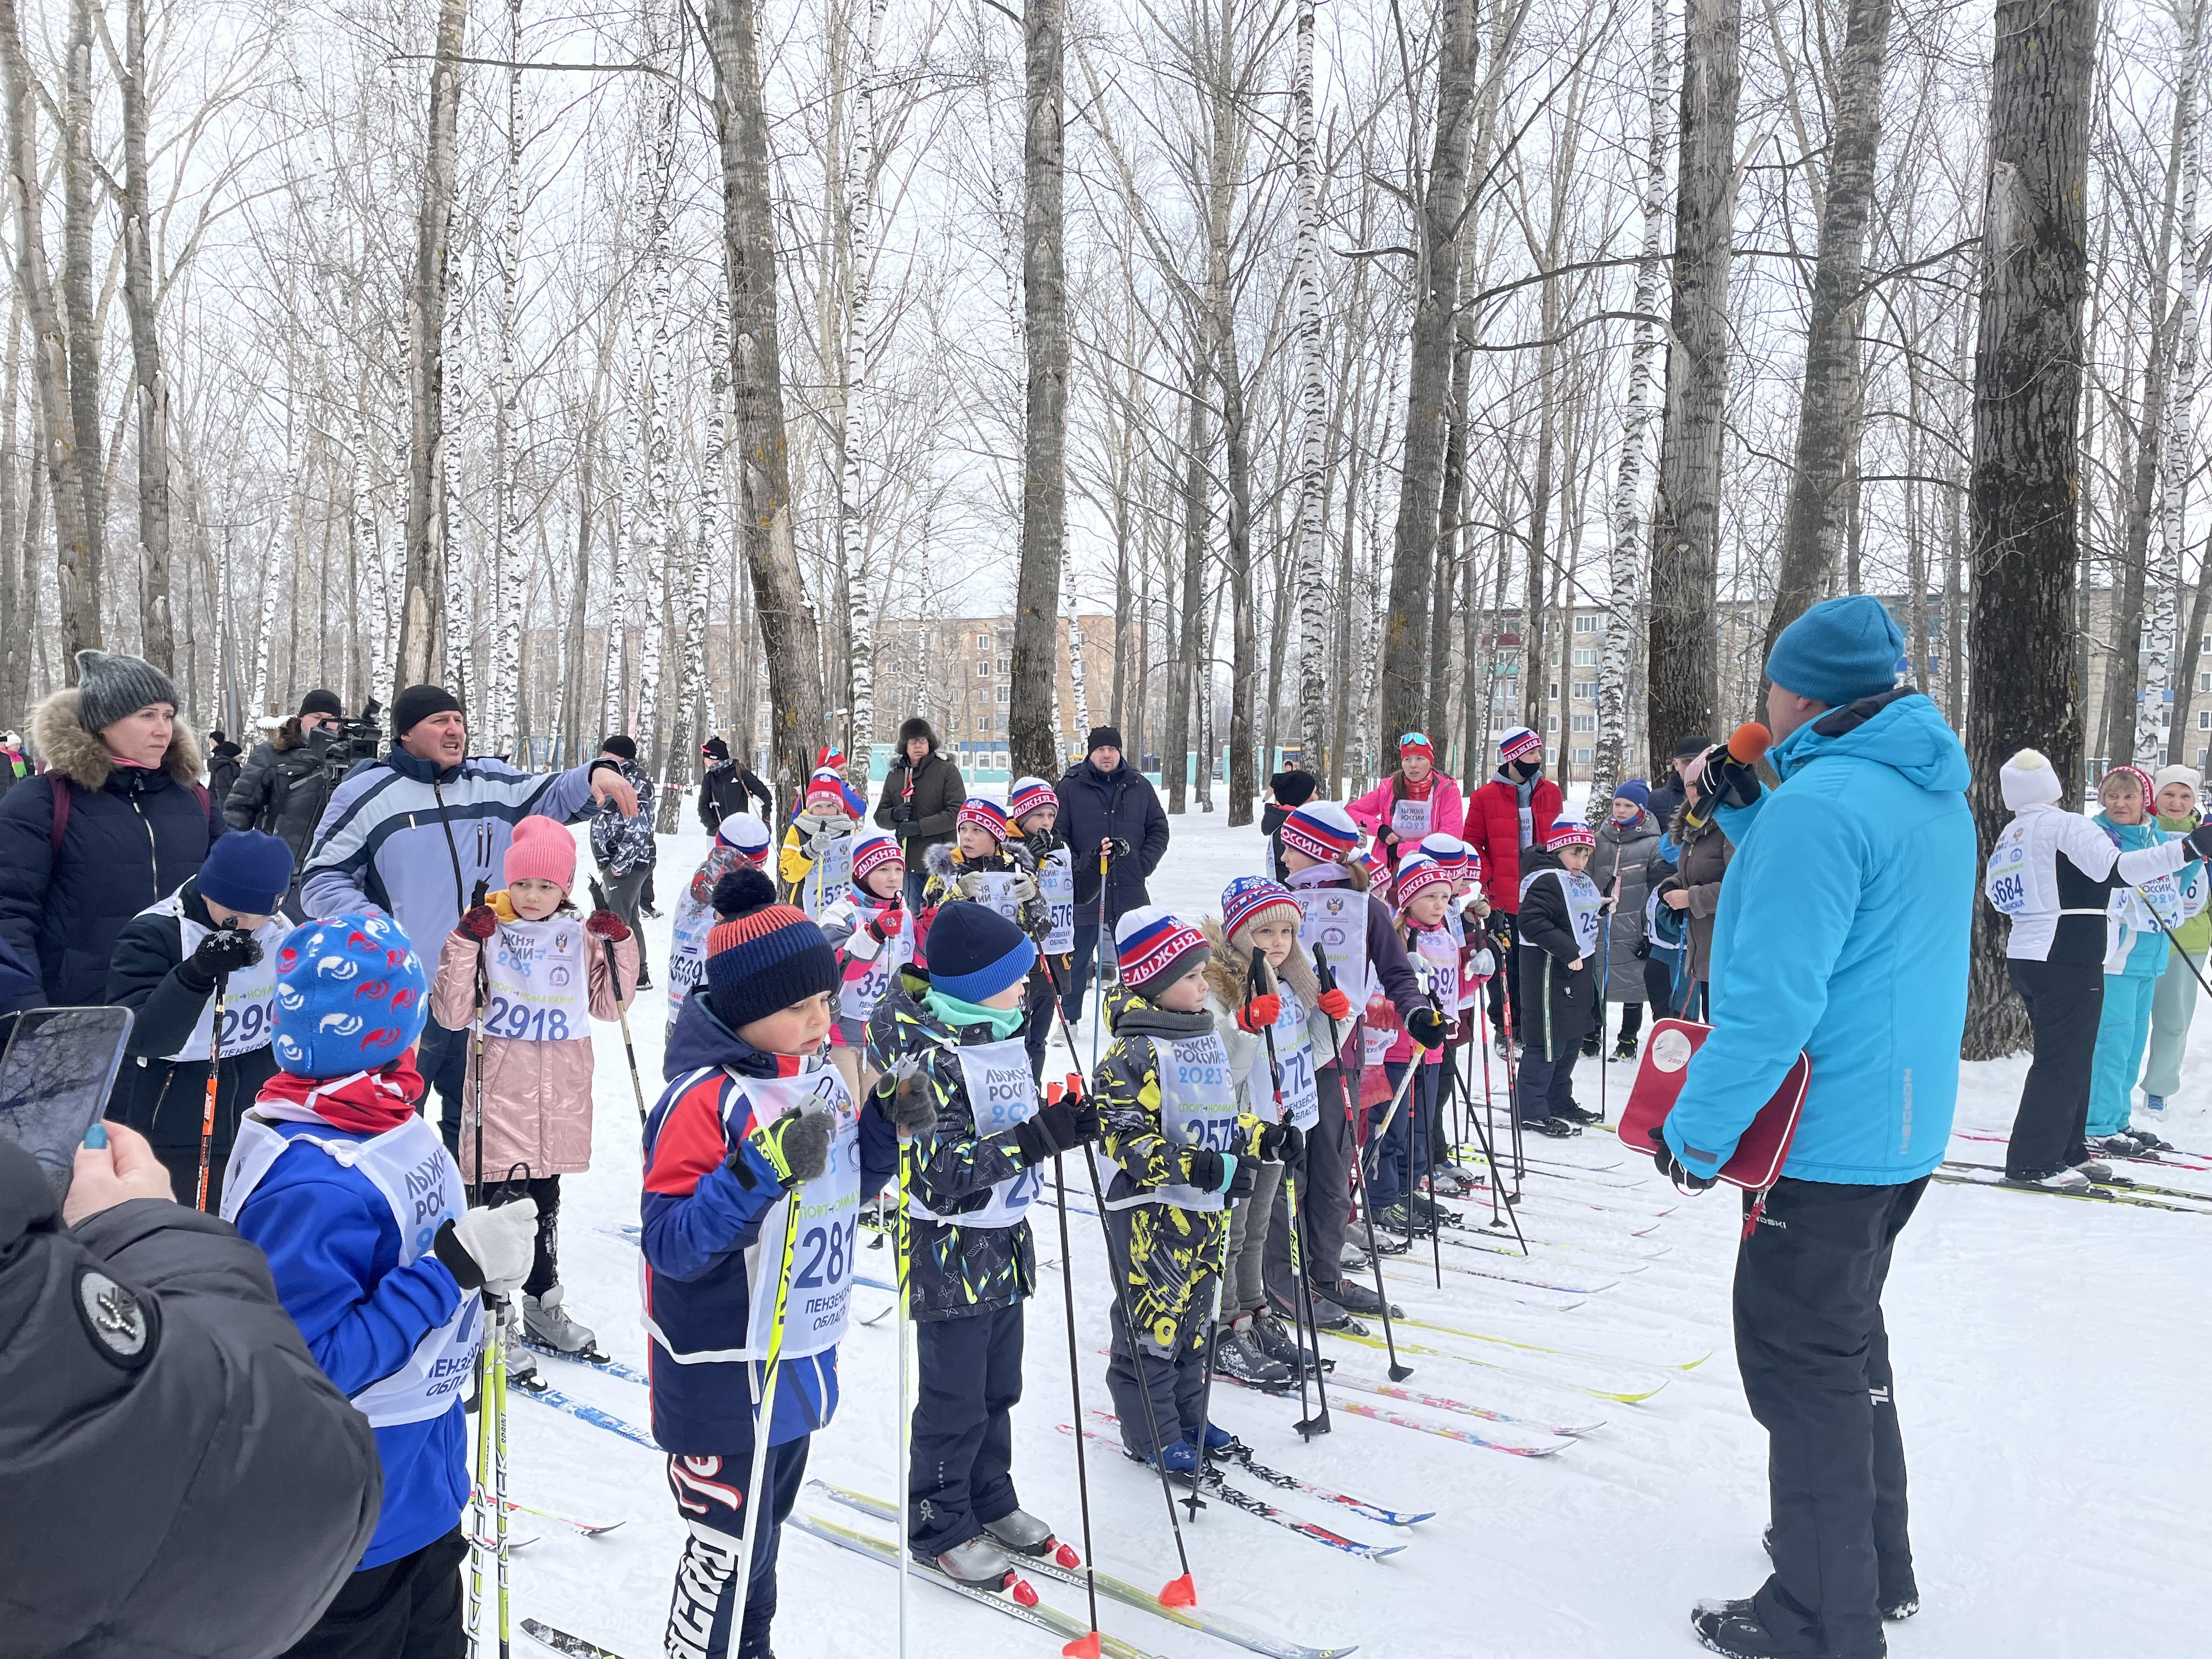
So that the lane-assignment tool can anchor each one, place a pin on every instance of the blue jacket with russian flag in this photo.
(1843, 931)
(700, 1218)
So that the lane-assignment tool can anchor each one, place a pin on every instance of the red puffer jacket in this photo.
(1493, 829)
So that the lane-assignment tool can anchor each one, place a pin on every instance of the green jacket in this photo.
(2194, 935)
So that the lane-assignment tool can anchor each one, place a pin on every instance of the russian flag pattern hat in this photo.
(984, 815)
(1518, 742)
(1155, 948)
(1321, 830)
(1029, 795)
(1567, 832)
(1247, 898)
(1417, 872)
(872, 853)
(1447, 850)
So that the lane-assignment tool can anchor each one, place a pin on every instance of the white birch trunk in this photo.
(1310, 557)
(273, 582)
(2158, 699)
(459, 632)
(1624, 574)
(1075, 672)
(855, 434)
(714, 525)
(507, 522)
(653, 532)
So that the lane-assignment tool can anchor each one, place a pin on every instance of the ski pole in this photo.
(478, 1488)
(1346, 1099)
(1089, 1643)
(905, 1384)
(476, 1027)
(1200, 1461)
(1436, 1214)
(1484, 1126)
(215, 1074)
(1305, 1425)
(764, 1421)
(1099, 966)
(1376, 1137)
(622, 1003)
(1604, 960)
(498, 1312)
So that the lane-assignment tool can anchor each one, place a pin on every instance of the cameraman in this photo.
(288, 779)
(181, 1478)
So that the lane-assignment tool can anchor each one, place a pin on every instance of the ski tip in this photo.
(1384, 1552)
(1024, 1592)
(1083, 1647)
(1414, 1520)
(1179, 1592)
(1066, 1555)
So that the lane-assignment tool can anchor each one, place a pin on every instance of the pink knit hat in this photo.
(542, 851)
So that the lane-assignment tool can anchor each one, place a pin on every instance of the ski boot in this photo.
(1269, 1335)
(1023, 1533)
(2119, 1146)
(2094, 1168)
(1352, 1259)
(1733, 1629)
(2057, 1181)
(522, 1371)
(1176, 1458)
(1558, 1128)
(1241, 1357)
(1356, 1297)
(1220, 1444)
(1590, 1046)
(2147, 1140)
(1625, 1049)
(1575, 1113)
(978, 1561)
(1453, 1180)
(545, 1323)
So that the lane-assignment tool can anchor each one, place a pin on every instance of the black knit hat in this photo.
(110, 685)
(1293, 787)
(762, 957)
(715, 749)
(417, 703)
(320, 702)
(620, 745)
(1102, 737)
(1691, 747)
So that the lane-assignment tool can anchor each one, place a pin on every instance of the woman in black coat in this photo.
(115, 824)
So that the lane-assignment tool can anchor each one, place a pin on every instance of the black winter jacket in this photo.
(939, 790)
(286, 783)
(1559, 1004)
(165, 1101)
(182, 1480)
(223, 768)
(132, 836)
(729, 788)
(1122, 803)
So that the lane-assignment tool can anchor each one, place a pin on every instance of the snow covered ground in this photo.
(2052, 1360)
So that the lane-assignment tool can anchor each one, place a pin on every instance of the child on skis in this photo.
(1400, 1154)
(1365, 956)
(1560, 914)
(1185, 1153)
(199, 970)
(537, 976)
(870, 930)
(817, 848)
(1467, 915)
(353, 1198)
(757, 1131)
(985, 868)
(1033, 812)
(742, 840)
(958, 1060)
(1258, 914)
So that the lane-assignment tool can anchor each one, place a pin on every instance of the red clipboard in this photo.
(1757, 1161)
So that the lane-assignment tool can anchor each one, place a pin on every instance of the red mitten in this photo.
(1258, 1014)
(607, 924)
(1334, 1004)
(480, 922)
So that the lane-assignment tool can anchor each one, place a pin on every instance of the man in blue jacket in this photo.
(1843, 931)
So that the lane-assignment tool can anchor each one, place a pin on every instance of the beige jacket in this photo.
(537, 1095)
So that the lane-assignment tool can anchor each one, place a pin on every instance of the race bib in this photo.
(831, 875)
(1294, 1062)
(538, 982)
(824, 1231)
(687, 960)
(999, 894)
(1335, 919)
(1198, 1106)
(1056, 880)
(858, 996)
(1001, 1093)
(2005, 880)
(1409, 819)
(247, 1020)
(1439, 953)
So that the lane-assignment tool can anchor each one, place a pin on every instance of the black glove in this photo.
(1121, 848)
(1672, 1169)
(1204, 1169)
(902, 812)
(1284, 1143)
(1059, 1128)
(1242, 1179)
(1426, 1027)
(1731, 782)
(2200, 841)
(220, 953)
(797, 1145)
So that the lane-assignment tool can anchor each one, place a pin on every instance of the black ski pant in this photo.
(1324, 1201)
(960, 1474)
(2064, 1000)
(1037, 1023)
(1505, 983)
(545, 1252)
(1156, 1385)
(710, 1495)
(1548, 1084)
(1659, 985)
(1814, 1357)
(410, 1608)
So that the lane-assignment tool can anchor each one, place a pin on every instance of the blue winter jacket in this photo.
(2146, 953)
(1843, 931)
(700, 1218)
(333, 1250)
(406, 838)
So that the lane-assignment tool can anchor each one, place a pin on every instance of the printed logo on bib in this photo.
(540, 989)
(824, 1228)
(1335, 919)
(1671, 1050)
(1056, 880)
(1001, 1093)
(1198, 1106)
(2005, 880)
(1439, 953)
(999, 894)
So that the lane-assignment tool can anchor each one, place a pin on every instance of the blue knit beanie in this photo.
(974, 952)
(1841, 650)
(1636, 790)
(351, 996)
(247, 872)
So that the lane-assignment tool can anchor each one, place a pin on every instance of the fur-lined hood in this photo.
(79, 756)
(1229, 969)
(948, 864)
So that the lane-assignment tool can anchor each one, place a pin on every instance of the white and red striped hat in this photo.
(1248, 897)
(1447, 850)
(872, 853)
(1029, 795)
(1417, 872)
(1569, 832)
(746, 832)
(1518, 742)
(1155, 947)
(1321, 830)
(984, 815)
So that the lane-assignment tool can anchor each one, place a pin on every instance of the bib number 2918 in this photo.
(519, 1019)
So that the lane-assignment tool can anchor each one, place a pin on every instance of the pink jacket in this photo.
(538, 1095)
(1446, 812)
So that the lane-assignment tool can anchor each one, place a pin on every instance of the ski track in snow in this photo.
(2051, 1358)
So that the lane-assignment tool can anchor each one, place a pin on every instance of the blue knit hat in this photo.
(349, 996)
(247, 872)
(1841, 650)
(974, 952)
(1634, 789)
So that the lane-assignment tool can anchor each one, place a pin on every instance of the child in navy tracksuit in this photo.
(357, 1204)
(754, 1114)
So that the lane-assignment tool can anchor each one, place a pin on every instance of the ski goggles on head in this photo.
(1415, 740)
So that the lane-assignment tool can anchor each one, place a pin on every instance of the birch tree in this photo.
(1311, 560)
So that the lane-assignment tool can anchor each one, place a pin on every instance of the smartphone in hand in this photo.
(56, 1071)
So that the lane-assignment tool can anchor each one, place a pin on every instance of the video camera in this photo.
(356, 739)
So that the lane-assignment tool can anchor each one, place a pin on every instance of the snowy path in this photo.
(2052, 1358)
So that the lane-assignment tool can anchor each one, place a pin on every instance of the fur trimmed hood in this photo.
(948, 864)
(1227, 970)
(79, 756)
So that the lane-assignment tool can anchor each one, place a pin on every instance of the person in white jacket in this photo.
(2054, 873)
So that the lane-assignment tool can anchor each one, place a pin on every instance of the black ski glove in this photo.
(2200, 841)
(796, 1145)
(1284, 1143)
(1730, 781)
(1242, 1179)
(1204, 1169)
(1426, 1027)
(1675, 1171)
(1059, 1128)
(221, 953)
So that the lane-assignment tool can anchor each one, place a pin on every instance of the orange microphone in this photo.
(1747, 746)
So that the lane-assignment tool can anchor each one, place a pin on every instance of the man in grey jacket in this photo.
(411, 835)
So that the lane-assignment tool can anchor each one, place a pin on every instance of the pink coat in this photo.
(538, 1095)
(1446, 812)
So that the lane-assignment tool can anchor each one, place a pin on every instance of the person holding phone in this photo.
(146, 1352)
(198, 971)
